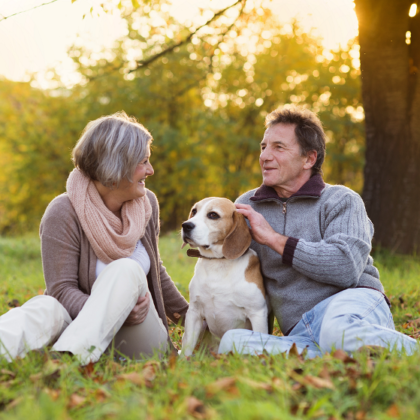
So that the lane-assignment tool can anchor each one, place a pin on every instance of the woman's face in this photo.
(131, 190)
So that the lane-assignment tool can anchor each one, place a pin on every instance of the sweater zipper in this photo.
(285, 210)
(284, 216)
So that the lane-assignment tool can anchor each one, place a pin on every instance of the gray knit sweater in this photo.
(327, 251)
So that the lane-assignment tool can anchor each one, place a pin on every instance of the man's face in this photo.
(281, 162)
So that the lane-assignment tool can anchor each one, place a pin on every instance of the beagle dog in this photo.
(227, 289)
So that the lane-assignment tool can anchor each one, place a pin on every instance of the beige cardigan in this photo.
(69, 262)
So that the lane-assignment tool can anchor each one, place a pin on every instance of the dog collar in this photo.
(195, 253)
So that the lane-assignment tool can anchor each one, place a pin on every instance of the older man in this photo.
(313, 241)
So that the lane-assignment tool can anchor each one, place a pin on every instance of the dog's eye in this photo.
(213, 216)
(193, 212)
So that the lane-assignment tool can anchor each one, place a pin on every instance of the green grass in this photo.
(263, 387)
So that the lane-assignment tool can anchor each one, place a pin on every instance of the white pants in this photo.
(33, 325)
(114, 295)
(42, 320)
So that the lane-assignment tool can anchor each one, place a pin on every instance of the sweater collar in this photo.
(312, 188)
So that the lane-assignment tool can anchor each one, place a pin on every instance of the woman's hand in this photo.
(139, 312)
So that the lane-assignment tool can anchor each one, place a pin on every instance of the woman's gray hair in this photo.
(110, 148)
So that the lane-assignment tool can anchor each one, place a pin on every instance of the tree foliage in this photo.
(204, 103)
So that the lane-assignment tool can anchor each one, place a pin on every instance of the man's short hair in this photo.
(308, 131)
(110, 148)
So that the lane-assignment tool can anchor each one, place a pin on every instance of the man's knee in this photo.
(232, 339)
(333, 331)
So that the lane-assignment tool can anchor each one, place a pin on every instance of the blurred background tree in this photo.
(389, 33)
(203, 95)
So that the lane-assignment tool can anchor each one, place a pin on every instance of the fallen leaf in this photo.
(277, 382)
(409, 315)
(294, 351)
(14, 403)
(13, 303)
(173, 396)
(256, 385)
(304, 353)
(294, 409)
(114, 367)
(393, 411)
(36, 377)
(76, 401)
(51, 378)
(223, 384)
(149, 373)
(8, 384)
(8, 373)
(133, 377)
(87, 370)
(325, 374)
(172, 360)
(99, 379)
(318, 382)
(152, 364)
(303, 407)
(101, 394)
(215, 355)
(297, 386)
(360, 415)
(40, 291)
(353, 373)
(415, 322)
(182, 385)
(53, 393)
(195, 407)
(343, 356)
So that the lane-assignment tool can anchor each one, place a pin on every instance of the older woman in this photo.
(100, 247)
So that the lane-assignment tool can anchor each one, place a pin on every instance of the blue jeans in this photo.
(347, 320)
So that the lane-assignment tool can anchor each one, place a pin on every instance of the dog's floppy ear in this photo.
(238, 239)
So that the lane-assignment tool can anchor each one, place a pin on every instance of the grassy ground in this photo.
(206, 387)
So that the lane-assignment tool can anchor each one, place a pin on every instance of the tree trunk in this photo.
(391, 98)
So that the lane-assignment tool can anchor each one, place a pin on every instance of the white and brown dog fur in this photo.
(227, 289)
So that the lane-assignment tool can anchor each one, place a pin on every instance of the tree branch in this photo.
(169, 49)
(27, 10)
(210, 67)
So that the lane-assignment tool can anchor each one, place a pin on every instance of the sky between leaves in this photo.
(37, 40)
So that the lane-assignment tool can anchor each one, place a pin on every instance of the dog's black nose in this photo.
(188, 226)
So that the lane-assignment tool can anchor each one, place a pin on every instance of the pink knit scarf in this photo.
(109, 237)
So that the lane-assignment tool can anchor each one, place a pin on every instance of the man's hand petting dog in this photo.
(261, 231)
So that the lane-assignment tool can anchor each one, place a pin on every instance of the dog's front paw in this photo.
(185, 353)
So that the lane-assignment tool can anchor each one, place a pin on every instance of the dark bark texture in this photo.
(391, 99)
